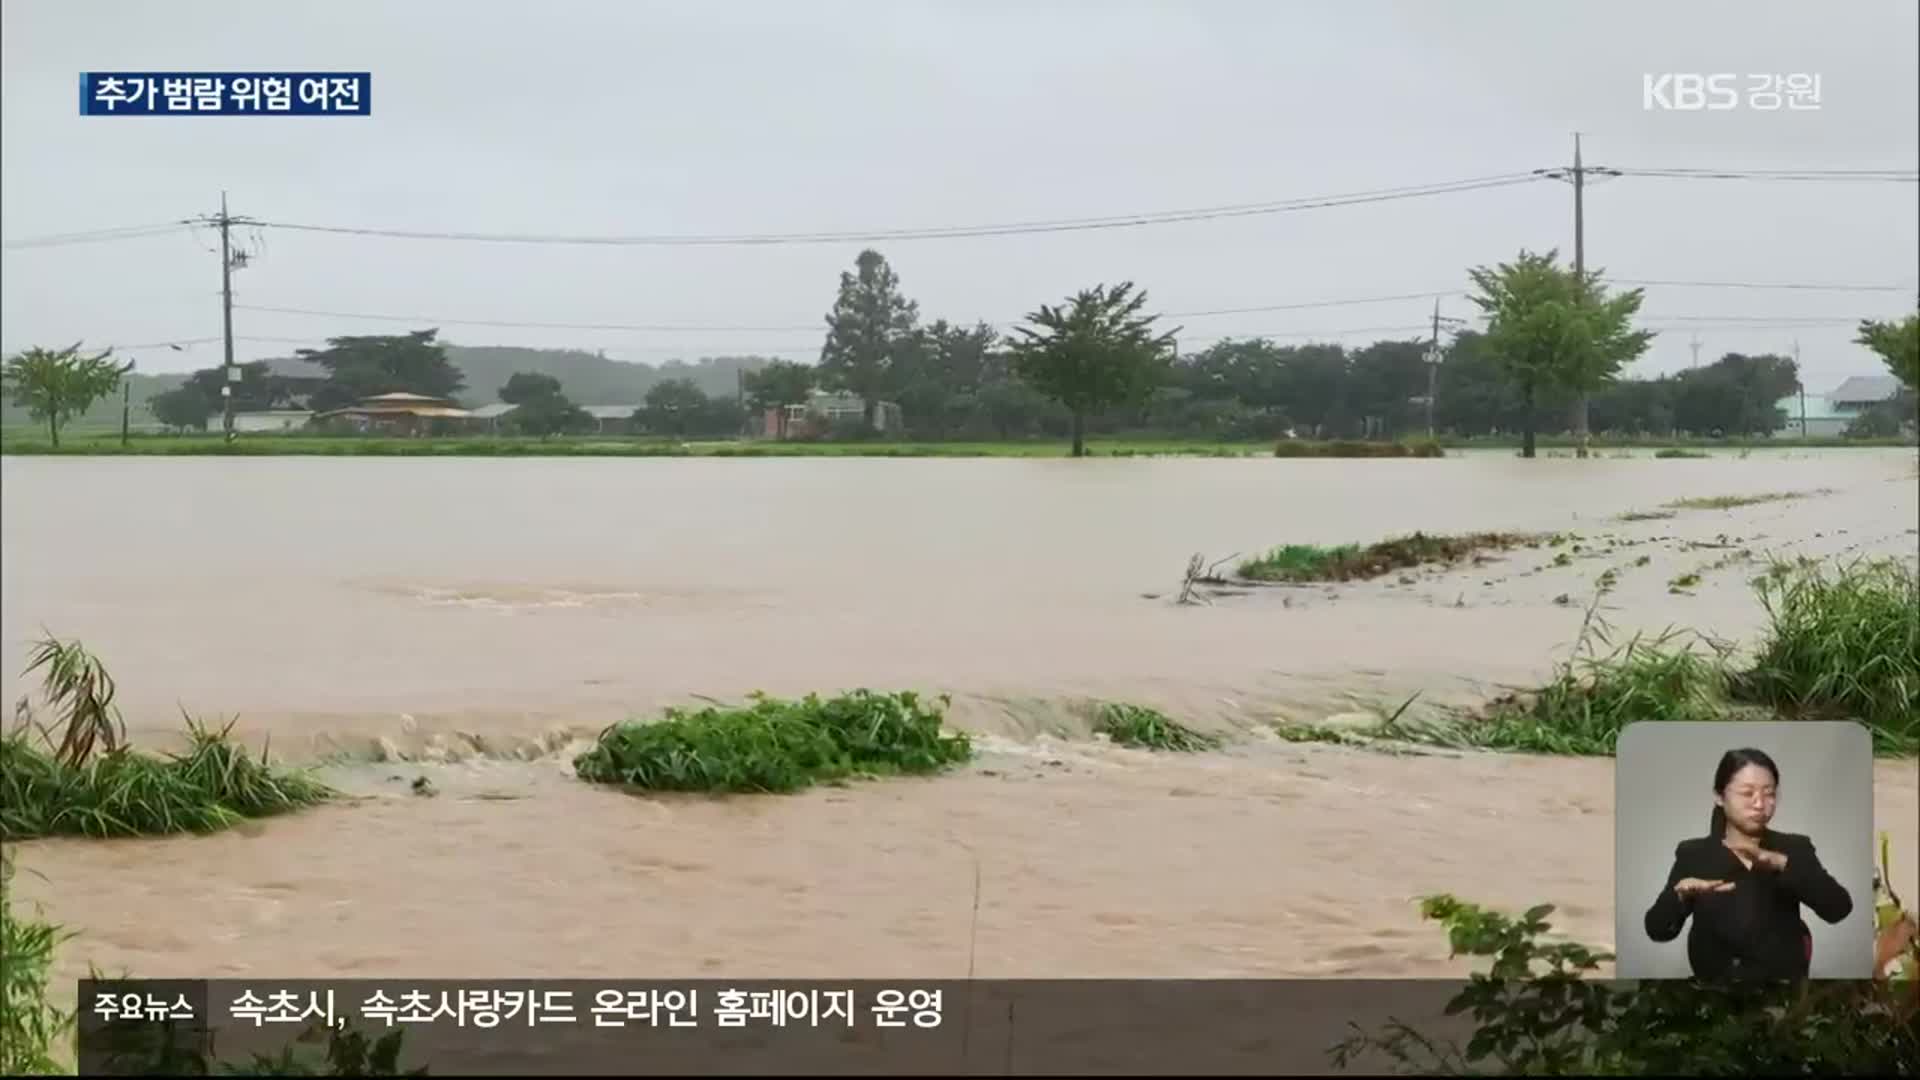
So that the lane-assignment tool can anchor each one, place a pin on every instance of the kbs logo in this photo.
(1696, 92)
(1688, 92)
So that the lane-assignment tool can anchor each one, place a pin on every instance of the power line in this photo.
(1811, 176)
(1774, 318)
(942, 232)
(1774, 172)
(435, 320)
(94, 236)
(1761, 285)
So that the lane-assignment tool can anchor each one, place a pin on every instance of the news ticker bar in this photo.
(820, 1027)
(226, 93)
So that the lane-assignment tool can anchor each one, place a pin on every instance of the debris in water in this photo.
(423, 786)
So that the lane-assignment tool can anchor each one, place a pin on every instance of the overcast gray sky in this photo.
(620, 118)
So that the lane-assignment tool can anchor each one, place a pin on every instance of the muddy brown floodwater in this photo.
(472, 620)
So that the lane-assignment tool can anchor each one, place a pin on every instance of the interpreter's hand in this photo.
(1687, 887)
(1759, 857)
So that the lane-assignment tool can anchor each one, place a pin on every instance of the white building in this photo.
(270, 420)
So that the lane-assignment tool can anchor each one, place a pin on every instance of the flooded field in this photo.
(470, 620)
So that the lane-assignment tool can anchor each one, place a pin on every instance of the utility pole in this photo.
(1695, 346)
(230, 260)
(1578, 176)
(1433, 365)
(226, 316)
(1580, 275)
(1801, 384)
(126, 410)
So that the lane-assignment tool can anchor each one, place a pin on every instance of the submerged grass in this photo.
(771, 745)
(1842, 644)
(1732, 502)
(124, 792)
(1355, 448)
(1148, 729)
(1679, 452)
(1592, 698)
(1348, 562)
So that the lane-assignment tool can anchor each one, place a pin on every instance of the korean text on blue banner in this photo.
(226, 93)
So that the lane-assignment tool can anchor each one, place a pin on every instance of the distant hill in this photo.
(586, 378)
(106, 414)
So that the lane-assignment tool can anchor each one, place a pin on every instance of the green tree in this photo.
(870, 325)
(1735, 395)
(550, 414)
(1095, 353)
(182, 407)
(362, 367)
(524, 386)
(1548, 326)
(539, 406)
(1897, 343)
(939, 377)
(258, 387)
(675, 407)
(57, 384)
(779, 384)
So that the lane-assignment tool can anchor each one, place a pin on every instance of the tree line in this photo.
(1550, 358)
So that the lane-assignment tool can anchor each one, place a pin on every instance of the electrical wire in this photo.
(1809, 176)
(94, 236)
(1761, 285)
(943, 232)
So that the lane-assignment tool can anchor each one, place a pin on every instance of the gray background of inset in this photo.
(1663, 794)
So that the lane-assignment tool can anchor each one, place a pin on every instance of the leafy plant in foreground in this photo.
(30, 1024)
(1536, 1014)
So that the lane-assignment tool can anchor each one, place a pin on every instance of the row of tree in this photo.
(1549, 358)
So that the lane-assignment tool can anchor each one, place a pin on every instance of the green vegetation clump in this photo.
(1536, 1014)
(1355, 448)
(772, 745)
(1732, 502)
(1841, 646)
(1347, 562)
(1845, 644)
(123, 792)
(81, 778)
(1647, 515)
(1593, 698)
(1679, 452)
(1148, 729)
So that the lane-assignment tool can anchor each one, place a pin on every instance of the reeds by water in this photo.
(77, 775)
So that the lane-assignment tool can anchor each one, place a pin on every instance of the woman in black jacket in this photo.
(1743, 884)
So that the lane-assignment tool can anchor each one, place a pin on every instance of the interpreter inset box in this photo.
(1743, 850)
